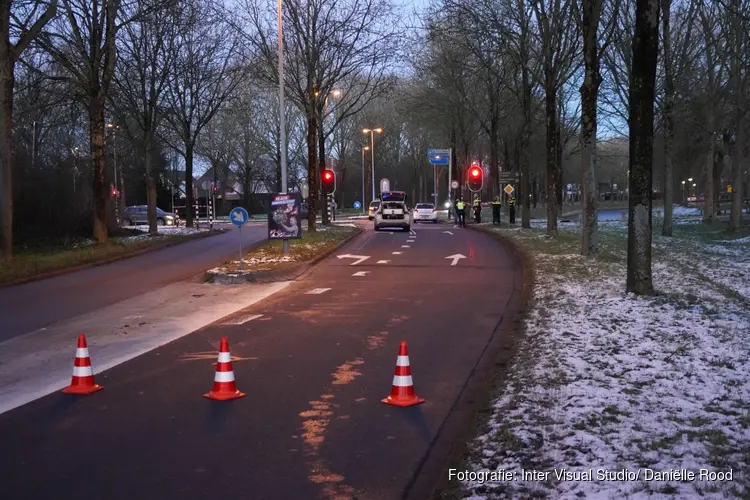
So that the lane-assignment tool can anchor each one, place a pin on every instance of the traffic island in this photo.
(268, 262)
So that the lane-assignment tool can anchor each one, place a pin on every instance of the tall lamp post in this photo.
(364, 148)
(282, 118)
(683, 192)
(372, 132)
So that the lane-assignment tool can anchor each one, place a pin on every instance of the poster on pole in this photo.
(284, 216)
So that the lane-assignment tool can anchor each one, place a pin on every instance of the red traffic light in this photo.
(475, 172)
(329, 181)
(328, 176)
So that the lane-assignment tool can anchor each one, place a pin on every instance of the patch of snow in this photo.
(606, 380)
(164, 231)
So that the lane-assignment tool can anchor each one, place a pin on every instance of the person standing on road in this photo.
(477, 210)
(512, 207)
(455, 212)
(496, 204)
(460, 206)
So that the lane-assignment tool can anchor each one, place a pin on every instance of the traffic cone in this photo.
(224, 386)
(83, 375)
(402, 392)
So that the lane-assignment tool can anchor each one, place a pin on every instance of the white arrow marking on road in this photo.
(360, 258)
(448, 232)
(397, 253)
(405, 246)
(383, 261)
(455, 258)
(361, 273)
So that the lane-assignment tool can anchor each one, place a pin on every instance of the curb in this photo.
(475, 404)
(291, 273)
(87, 265)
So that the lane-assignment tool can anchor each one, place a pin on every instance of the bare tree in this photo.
(559, 45)
(208, 67)
(641, 124)
(22, 24)
(142, 79)
(589, 16)
(329, 43)
(83, 43)
(738, 21)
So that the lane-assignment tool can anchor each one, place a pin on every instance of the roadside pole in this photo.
(240, 248)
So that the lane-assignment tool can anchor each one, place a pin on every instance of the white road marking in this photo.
(448, 232)
(361, 273)
(359, 258)
(317, 291)
(405, 246)
(410, 241)
(241, 320)
(397, 253)
(383, 261)
(455, 258)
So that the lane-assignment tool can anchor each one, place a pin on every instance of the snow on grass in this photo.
(604, 380)
(164, 232)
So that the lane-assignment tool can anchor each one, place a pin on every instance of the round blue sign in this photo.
(357, 204)
(238, 216)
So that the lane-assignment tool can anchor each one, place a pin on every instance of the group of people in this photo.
(459, 211)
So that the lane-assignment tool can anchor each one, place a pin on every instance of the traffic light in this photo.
(476, 179)
(328, 181)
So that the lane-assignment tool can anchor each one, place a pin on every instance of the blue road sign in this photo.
(439, 156)
(238, 216)
(357, 204)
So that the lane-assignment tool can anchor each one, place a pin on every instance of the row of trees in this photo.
(191, 77)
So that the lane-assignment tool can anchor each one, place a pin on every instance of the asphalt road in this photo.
(315, 367)
(28, 307)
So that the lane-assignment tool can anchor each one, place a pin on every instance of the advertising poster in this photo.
(284, 216)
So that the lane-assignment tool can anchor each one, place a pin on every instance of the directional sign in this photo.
(439, 156)
(509, 189)
(238, 216)
(455, 258)
(509, 177)
(359, 258)
(357, 204)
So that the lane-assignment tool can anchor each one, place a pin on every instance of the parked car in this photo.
(374, 205)
(425, 212)
(137, 215)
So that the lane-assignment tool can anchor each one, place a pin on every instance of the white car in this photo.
(425, 212)
(393, 211)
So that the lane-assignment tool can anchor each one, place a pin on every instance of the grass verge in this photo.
(40, 263)
(270, 256)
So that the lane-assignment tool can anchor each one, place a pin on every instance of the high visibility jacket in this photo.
(477, 203)
(496, 203)
(460, 205)
(513, 202)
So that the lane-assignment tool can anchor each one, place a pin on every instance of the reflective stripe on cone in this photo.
(402, 390)
(225, 387)
(83, 374)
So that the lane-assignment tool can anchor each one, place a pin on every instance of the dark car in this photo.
(137, 215)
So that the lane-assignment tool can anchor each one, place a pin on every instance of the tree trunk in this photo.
(99, 190)
(641, 133)
(188, 183)
(738, 163)
(313, 179)
(589, 94)
(525, 141)
(668, 111)
(150, 184)
(708, 191)
(558, 159)
(550, 87)
(494, 163)
(323, 165)
(7, 80)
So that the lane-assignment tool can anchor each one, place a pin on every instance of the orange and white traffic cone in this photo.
(224, 385)
(83, 374)
(402, 392)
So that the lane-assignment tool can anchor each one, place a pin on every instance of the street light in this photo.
(683, 192)
(372, 132)
(282, 118)
(365, 148)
